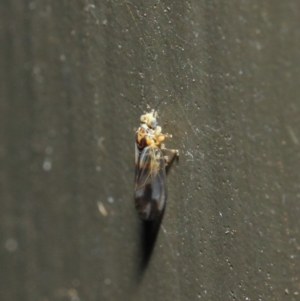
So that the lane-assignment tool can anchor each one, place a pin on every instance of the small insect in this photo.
(150, 171)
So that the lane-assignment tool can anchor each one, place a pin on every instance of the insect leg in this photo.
(173, 153)
(166, 160)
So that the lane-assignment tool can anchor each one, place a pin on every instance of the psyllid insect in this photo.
(150, 167)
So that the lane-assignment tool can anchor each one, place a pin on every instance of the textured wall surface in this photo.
(230, 74)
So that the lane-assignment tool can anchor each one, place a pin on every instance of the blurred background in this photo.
(229, 73)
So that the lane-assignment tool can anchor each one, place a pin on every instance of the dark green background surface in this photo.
(230, 73)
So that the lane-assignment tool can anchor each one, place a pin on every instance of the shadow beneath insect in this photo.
(148, 235)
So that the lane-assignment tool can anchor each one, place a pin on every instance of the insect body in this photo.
(150, 172)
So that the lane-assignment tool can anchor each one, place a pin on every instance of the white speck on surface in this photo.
(190, 155)
(258, 46)
(110, 199)
(102, 209)
(47, 165)
(62, 57)
(11, 244)
(107, 281)
(292, 134)
(73, 294)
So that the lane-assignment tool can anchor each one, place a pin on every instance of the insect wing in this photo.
(136, 160)
(150, 189)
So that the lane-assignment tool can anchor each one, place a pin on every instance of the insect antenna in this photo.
(136, 106)
(159, 103)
